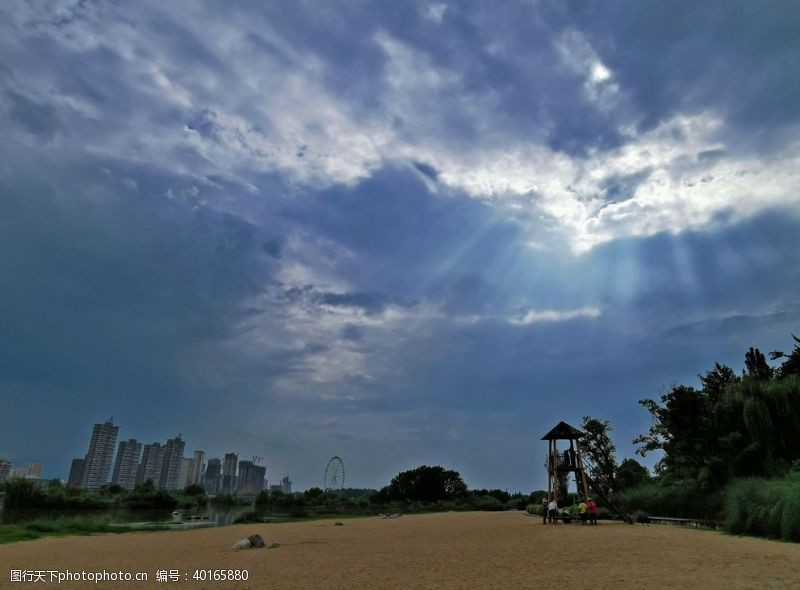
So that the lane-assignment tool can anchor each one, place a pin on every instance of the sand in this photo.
(454, 550)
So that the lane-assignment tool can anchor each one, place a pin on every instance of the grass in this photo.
(59, 527)
(684, 499)
(764, 508)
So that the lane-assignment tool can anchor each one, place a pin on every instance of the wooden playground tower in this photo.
(575, 459)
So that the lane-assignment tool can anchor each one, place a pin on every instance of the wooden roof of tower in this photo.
(563, 431)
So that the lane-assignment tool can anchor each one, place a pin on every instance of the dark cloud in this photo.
(159, 265)
(273, 247)
(427, 170)
(623, 187)
(38, 119)
(352, 332)
(731, 57)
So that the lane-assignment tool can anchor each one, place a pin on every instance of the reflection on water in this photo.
(210, 513)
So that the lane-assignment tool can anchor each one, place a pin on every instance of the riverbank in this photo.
(67, 526)
(449, 550)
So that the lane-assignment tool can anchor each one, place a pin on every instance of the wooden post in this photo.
(549, 476)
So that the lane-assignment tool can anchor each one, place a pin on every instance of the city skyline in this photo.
(165, 465)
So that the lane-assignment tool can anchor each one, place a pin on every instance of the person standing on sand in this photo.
(553, 510)
(544, 509)
(582, 510)
(592, 511)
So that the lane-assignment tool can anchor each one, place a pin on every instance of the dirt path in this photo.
(455, 550)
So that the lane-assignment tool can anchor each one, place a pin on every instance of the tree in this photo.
(756, 365)
(145, 487)
(426, 484)
(313, 494)
(194, 490)
(631, 474)
(791, 366)
(263, 498)
(732, 427)
(599, 446)
(716, 381)
(680, 430)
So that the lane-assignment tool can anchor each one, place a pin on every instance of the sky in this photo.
(402, 233)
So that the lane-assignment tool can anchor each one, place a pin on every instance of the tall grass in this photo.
(683, 499)
(764, 507)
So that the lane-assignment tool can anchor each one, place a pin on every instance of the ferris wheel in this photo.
(334, 475)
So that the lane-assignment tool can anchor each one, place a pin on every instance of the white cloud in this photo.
(534, 316)
(273, 112)
(434, 12)
(578, 55)
(681, 190)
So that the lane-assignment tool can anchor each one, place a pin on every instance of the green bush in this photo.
(489, 503)
(22, 494)
(229, 500)
(250, 517)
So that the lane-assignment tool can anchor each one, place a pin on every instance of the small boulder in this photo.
(274, 546)
(255, 541)
(251, 542)
(337, 523)
(243, 544)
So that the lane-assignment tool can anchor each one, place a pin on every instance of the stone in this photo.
(337, 523)
(274, 546)
(255, 541)
(251, 542)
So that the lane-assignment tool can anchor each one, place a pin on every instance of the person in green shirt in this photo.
(583, 510)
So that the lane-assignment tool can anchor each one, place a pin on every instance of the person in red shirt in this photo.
(592, 511)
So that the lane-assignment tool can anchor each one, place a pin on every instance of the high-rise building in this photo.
(5, 469)
(100, 455)
(212, 476)
(34, 470)
(171, 466)
(197, 467)
(187, 467)
(286, 485)
(228, 484)
(251, 478)
(31, 471)
(127, 463)
(150, 466)
(75, 479)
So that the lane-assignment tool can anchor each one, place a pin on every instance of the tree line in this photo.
(729, 448)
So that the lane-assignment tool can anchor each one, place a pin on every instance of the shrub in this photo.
(194, 490)
(249, 517)
(489, 503)
(23, 493)
(263, 498)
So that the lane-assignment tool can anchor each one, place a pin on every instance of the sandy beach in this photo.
(454, 550)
